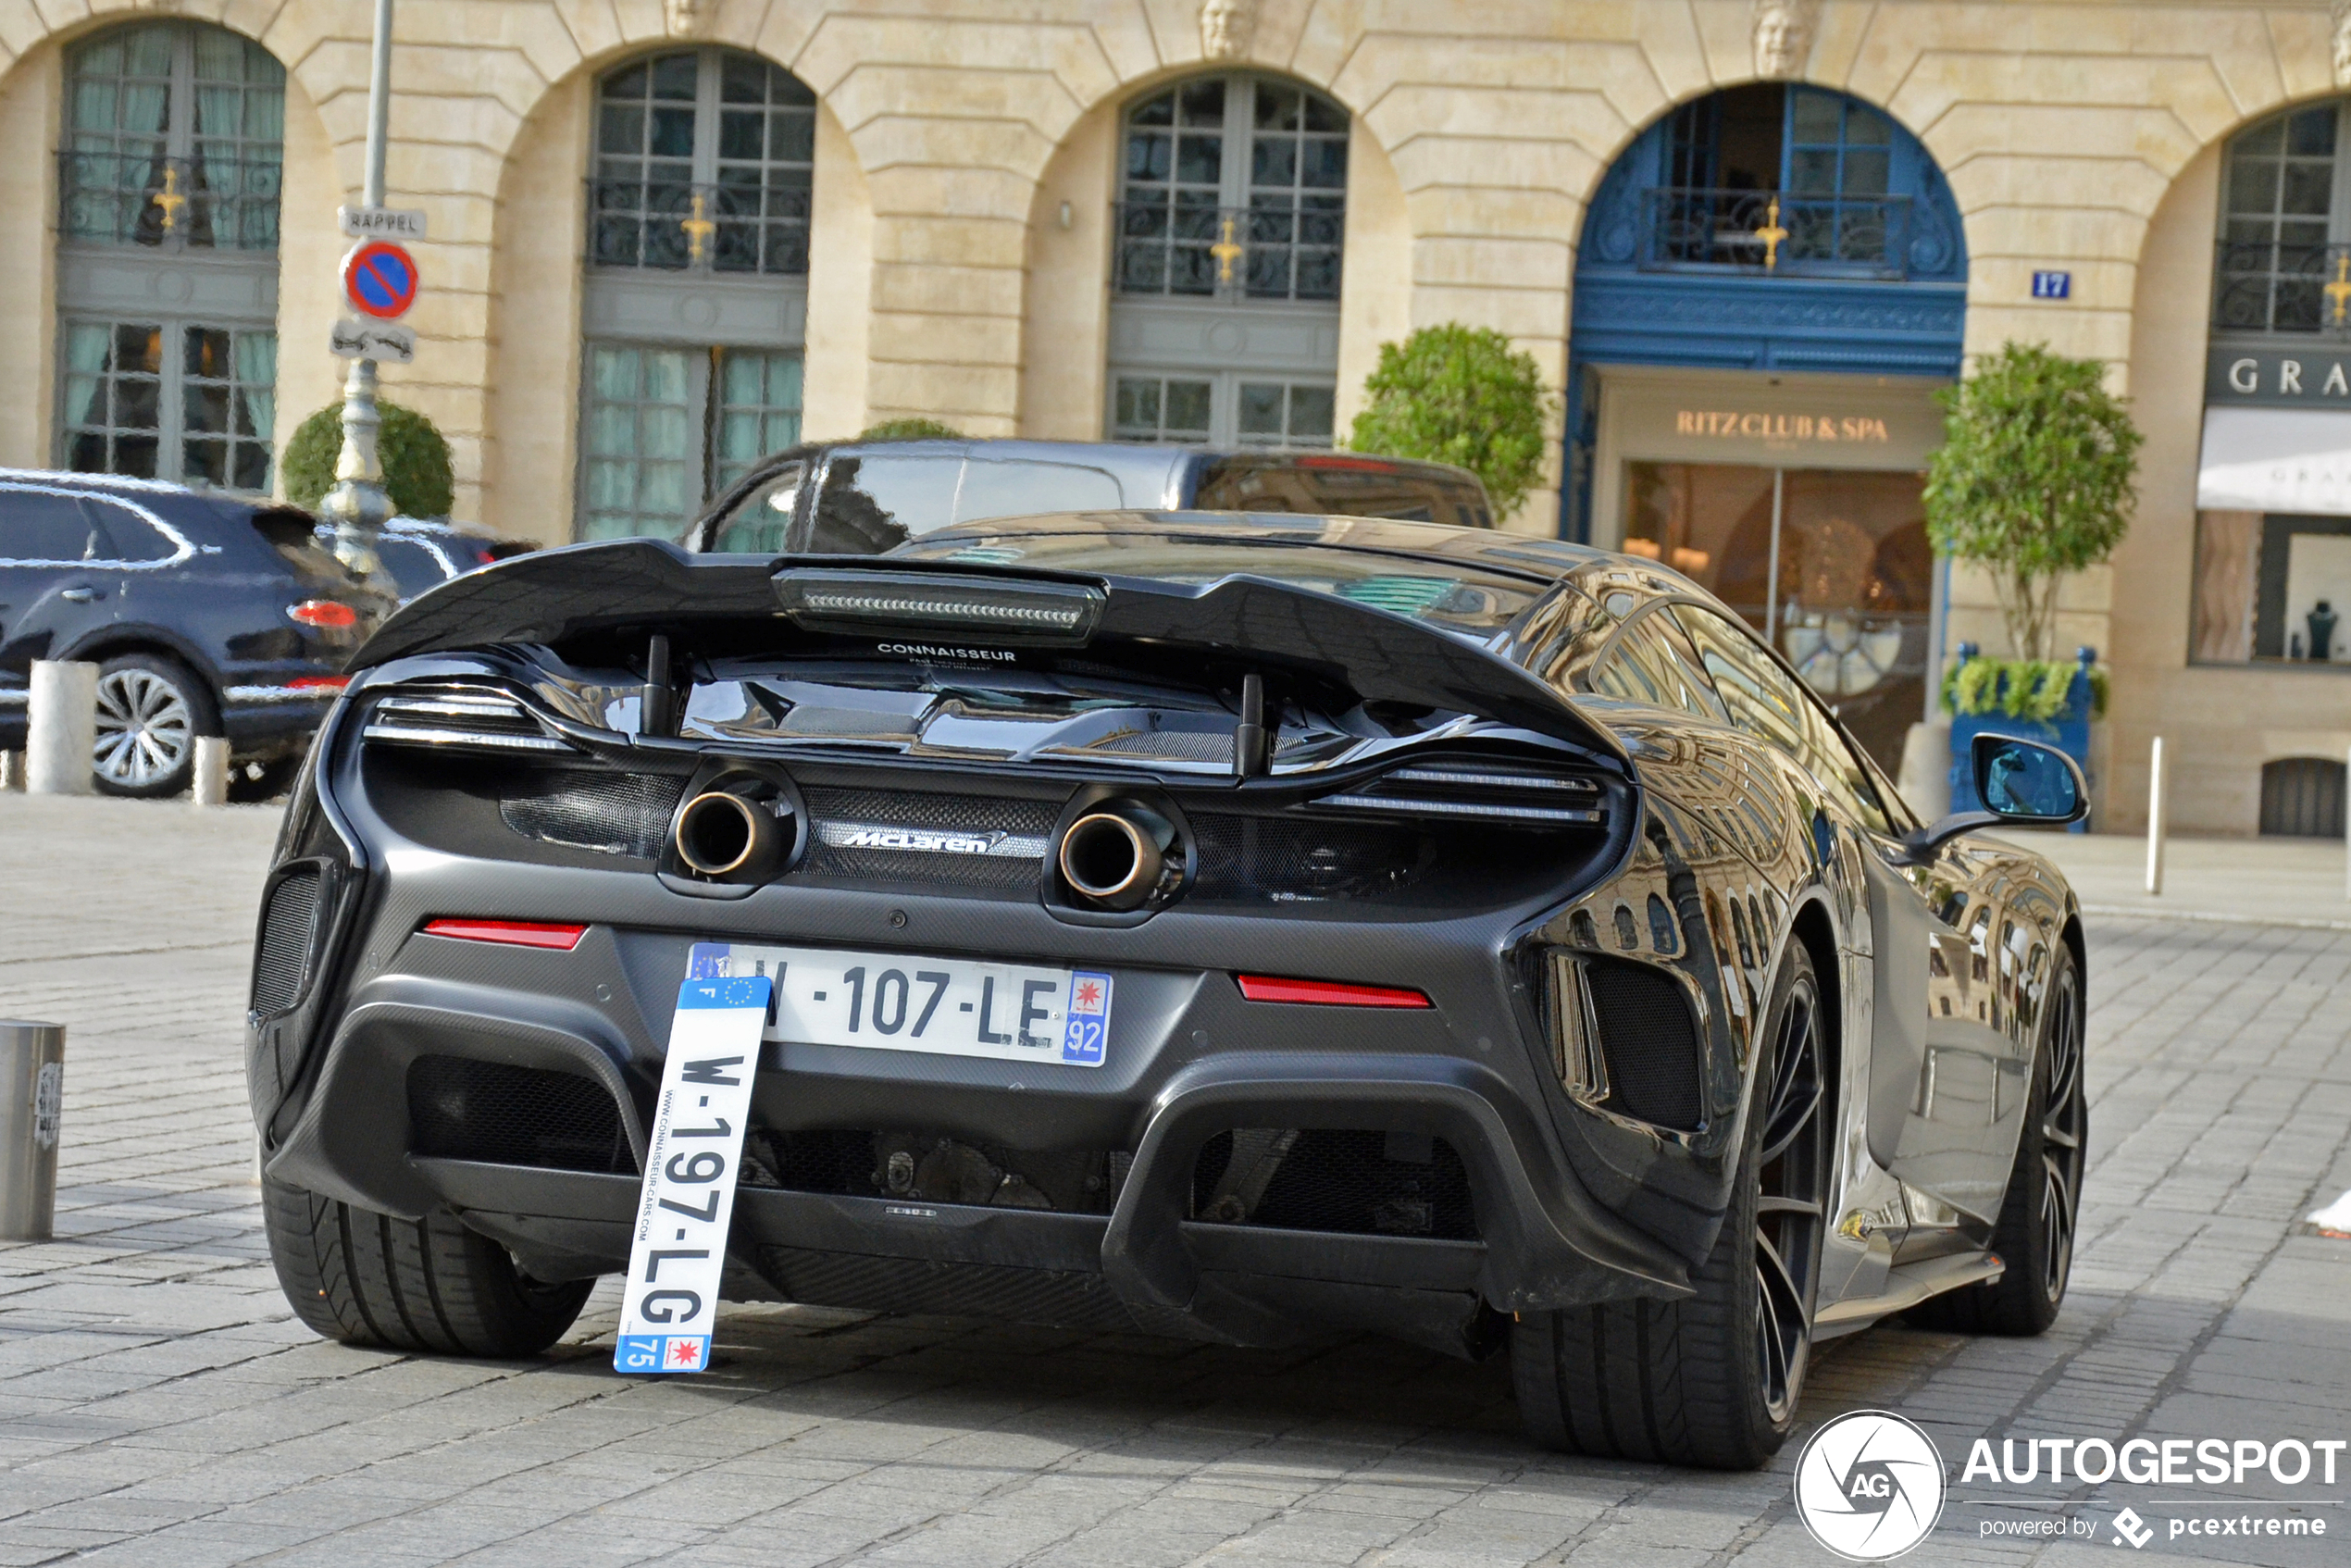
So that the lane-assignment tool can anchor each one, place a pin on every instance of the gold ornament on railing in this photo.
(698, 229)
(1771, 234)
(2338, 292)
(170, 200)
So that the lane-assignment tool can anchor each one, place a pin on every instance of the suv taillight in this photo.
(324, 613)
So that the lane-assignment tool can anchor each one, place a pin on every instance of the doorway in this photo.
(1831, 566)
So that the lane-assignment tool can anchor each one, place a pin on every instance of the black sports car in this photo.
(1495, 947)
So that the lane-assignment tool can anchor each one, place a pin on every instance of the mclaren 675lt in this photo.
(1236, 927)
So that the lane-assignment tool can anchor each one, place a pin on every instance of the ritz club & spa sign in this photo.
(1739, 425)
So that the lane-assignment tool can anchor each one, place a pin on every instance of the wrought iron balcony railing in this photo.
(677, 226)
(1775, 233)
(136, 196)
(2274, 286)
(1274, 250)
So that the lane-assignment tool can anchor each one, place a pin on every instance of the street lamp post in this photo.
(357, 503)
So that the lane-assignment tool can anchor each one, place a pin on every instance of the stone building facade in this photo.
(667, 234)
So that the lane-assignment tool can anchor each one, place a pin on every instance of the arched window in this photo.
(696, 302)
(168, 233)
(2285, 224)
(1232, 220)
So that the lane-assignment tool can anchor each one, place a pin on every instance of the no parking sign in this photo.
(380, 279)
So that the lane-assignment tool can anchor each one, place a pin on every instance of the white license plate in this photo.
(942, 1007)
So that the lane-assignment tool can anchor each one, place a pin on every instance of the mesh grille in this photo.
(1058, 1297)
(825, 1161)
(1298, 859)
(285, 943)
(1650, 1042)
(462, 1109)
(1354, 1181)
(1184, 745)
(614, 813)
(908, 808)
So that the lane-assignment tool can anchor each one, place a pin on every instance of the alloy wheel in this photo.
(2063, 1117)
(145, 729)
(1791, 1200)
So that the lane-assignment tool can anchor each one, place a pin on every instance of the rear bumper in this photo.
(1540, 1241)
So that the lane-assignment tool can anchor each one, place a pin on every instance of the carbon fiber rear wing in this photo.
(553, 596)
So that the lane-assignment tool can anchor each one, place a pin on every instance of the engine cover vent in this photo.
(462, 718)
(1520, 793)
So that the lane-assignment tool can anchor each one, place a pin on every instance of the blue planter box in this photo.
(2069, 732)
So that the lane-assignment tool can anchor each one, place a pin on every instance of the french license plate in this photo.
(669, 1303)
(944, 1007)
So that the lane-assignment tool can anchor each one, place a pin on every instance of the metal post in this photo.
(357, 504)
(209, 785)
(33, 1082)
(2158, 812)
(61, 729)
(1771, 572)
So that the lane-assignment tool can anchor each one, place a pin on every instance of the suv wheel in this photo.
(150, 711)
(429, 1284)
(2038, 1216)
(1714, 1379)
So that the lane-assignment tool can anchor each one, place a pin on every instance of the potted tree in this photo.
(1461, 395)
(2035, 480)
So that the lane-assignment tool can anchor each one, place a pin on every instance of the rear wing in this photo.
(553, 596)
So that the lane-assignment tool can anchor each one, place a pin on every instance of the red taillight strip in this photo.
(1327, 994)
(514, 933)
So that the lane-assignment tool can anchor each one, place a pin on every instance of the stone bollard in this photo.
(61, 731)
(209, 785)
(32, 1081)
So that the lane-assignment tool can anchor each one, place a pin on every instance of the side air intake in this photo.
(1649, 1043)
(283, 955)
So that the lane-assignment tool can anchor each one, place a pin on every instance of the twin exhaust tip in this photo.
(1117, 860)
(729, 837)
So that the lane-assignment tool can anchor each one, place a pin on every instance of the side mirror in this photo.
(2024, 781)
(2021, 782)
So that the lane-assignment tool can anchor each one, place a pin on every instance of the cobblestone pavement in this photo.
(159, 1405)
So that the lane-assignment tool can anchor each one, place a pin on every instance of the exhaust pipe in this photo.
(1115, 859)
(727, 837)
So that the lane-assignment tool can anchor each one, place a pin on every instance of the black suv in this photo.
(862, 497)
(206, 614)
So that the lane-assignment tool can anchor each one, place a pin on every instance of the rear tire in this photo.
(429, 1284)
(1713, 1380)
(2043, 1208)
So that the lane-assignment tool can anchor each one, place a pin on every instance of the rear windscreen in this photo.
(295, 536)
(1456, 596)
(1338, 485)
(878, 500)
